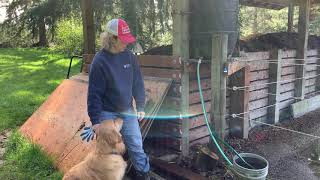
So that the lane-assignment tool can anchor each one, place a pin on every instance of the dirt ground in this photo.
(4, 135)
(286, 152)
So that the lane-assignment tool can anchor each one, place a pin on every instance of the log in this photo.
(176, 170)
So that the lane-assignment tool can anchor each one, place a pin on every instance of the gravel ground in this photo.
(286, 152)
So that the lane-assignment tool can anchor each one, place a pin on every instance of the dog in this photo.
(105, 162)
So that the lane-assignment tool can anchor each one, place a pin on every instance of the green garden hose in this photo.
(213, 136)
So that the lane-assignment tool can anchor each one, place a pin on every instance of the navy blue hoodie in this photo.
(113, 80)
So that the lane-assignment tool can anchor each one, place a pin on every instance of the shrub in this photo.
(69, 36)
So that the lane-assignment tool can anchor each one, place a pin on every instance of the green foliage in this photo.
(36, 19)
(165, 39)
(24, 160)
(261, 21)
(69, 36)
(149, 20)
(10, 37)
(315, 20)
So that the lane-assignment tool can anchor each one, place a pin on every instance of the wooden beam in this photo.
(181, 49)
(240, 103)
(290, 17)
(318, 72)
(174, 130)
(175, 170)
(235, 66)
(272, 4)
(218, 83)
(302, 107)
(159, 61)
(274, 89)
(175, 74)
(302, 50)
(266, 4)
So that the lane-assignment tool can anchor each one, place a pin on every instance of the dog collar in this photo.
(115, 153)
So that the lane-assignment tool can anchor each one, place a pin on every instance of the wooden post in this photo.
(239, 103)
(181, 48)
(88, 26)
(290, 17)
(318, 71)
(218, 83)
(274, 89)
(302, 49)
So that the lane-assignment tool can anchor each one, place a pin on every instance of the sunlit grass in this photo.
(24, 160)
(27, 78)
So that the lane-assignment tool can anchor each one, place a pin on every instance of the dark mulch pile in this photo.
(279, 40)
(261, 42)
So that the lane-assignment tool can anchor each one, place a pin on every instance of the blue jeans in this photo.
(132, 138)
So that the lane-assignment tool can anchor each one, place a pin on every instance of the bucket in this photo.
(245, 172)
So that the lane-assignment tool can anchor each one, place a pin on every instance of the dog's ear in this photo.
(113, 137)
(118, 123)
(120, 147)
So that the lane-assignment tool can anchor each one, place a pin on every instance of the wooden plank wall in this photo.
(288, 85)
(198, 125)
(312, 72)
(168, 66)
(258, 93)
(161, 66)
(260, 75)
(288, 74)
(198, 129)
(171, 129)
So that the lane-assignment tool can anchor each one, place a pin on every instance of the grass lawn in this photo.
(27, 78)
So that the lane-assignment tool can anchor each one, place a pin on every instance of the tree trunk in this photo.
(43, 42)
(255, 21)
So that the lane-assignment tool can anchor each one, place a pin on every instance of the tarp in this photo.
(55, 125)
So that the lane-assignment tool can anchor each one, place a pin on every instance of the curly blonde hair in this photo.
(106, 40)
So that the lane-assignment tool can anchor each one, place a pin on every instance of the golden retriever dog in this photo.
(106, 161)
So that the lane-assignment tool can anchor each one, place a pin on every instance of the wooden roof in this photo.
(271, 4)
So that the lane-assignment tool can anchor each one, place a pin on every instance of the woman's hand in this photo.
(140, 115)
(96, 128)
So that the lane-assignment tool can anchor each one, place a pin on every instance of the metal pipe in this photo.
(69, 69)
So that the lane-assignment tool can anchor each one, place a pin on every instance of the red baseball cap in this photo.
(120, 28)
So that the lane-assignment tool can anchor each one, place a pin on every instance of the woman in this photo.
(114, 80)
